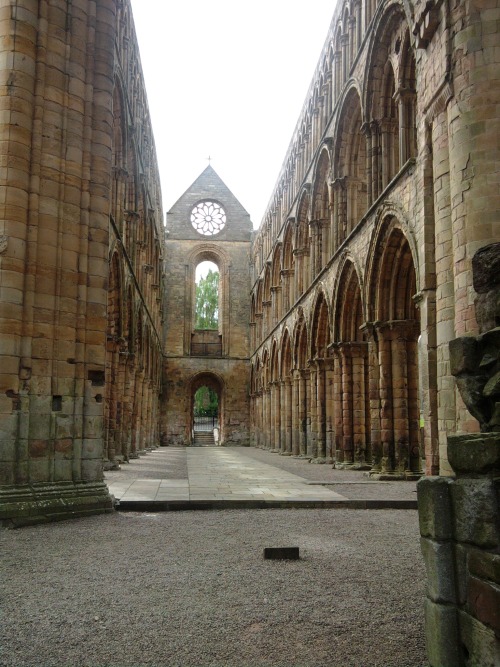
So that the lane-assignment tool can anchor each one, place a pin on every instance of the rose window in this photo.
(208, 218)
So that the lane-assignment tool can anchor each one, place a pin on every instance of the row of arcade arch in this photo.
(368, 137)
(340, 383)
(133, 371)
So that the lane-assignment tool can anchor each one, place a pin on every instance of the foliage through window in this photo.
(206, 403)
(207, 301)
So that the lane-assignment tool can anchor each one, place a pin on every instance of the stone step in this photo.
(203, 439)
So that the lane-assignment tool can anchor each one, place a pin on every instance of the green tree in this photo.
(207, 301)
(206, 403)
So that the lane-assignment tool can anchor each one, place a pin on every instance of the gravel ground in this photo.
(350, 483)
(185, 589)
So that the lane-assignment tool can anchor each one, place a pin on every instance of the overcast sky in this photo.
(227, 79)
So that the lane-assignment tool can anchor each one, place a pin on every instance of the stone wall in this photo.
(460, 528)
(188, 366)
(383, 198)
(460, 518)
(63, 259)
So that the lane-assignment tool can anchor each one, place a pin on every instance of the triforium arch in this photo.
(276, 286)
(390, 99)
(351, 372)
(288, 263)
(320, 215)
(394, 329)
(216, 383)
(350, 178)
(302, 244)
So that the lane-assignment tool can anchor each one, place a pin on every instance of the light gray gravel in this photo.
(185, 589)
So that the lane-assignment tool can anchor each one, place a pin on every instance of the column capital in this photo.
(394, 329)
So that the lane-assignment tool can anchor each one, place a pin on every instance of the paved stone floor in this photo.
(179, 478)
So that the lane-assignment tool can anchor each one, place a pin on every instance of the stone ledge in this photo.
(474, 453)
(253, 503)
(39, 503)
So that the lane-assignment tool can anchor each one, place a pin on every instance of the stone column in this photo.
(122, 393)
(265, 418)
(385, 392)
(337, 404)
(312, 434)
(338, 74)
(340, 211)
(344, 41)
(366, 130)
(258, 327)
(285, 293)
(320, 411)
(400, 401)
(352, 38)
(374, 434)
(347, 401)
(359, 407)
(324, 231)
(313, 250)
(298, 275)
(329, 410)
(276, 417)
(375, 158)
(129, 402)
(258, 418)
(303, 412)
(427, 381)
(277, 310)
(253, 336)
(287, 427)
(296, 413)
(266, 311)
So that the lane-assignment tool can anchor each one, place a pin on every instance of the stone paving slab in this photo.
(216, 478)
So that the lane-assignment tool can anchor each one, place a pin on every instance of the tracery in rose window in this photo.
(208, 218)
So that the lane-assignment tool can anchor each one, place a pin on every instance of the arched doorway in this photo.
(206, 401)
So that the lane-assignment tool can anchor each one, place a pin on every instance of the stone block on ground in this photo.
(281, 553)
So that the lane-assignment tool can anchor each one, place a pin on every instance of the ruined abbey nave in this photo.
(334, 318)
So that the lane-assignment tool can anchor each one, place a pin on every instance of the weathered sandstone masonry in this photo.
(460, 518)
(60, 71)
(362, 264)
(218, 359)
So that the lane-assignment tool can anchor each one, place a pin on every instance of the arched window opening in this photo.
(407, 101)
(206, 338)
(351, 183)
(207, 296)
(389, 130)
